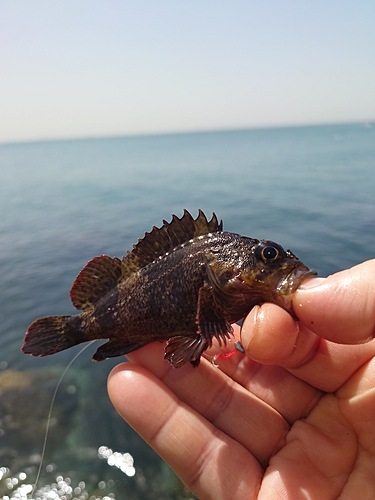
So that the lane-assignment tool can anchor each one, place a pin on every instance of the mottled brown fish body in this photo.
(185, 283)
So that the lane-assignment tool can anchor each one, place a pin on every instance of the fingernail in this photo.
(249, 327)
(311, 283)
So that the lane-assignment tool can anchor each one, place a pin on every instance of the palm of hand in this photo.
(257, 431)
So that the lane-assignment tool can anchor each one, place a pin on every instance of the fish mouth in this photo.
(289, 284)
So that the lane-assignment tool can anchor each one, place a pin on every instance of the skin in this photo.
(292, 419)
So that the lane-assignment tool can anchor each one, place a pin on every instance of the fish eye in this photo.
(268, 252)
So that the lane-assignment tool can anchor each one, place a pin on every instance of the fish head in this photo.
(252, 272)
(275, 274)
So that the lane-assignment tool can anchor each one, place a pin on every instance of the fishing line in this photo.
(50, 413)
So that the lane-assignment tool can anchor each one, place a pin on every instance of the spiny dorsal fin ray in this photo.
(97, 278)
(103, 273)
(162, 240)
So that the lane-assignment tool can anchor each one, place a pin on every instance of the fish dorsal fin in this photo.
(97, 278)
(164, 239)
(103, 273)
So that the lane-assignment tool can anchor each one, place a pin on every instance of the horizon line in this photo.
(365, 123)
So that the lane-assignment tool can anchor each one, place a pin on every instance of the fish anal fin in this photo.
(182, 349)
(97, 278)
(162, 240)
(114, 348)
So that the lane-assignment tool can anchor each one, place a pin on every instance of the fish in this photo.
(184, 283)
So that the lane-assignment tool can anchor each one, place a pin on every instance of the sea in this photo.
(311, 189)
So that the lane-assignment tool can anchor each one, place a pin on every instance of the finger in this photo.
(226, 404)
(292, 397)
(341, 307)
(209, 462)
(357, 405)
(318, 458)
(344, 427)
(270, 335)
(289, 395)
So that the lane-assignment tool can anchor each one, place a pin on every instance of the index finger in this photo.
(205, 458)
(271, 336)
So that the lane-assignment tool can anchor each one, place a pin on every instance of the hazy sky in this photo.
(80, 68)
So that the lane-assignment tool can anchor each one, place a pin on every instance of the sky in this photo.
(93, 68)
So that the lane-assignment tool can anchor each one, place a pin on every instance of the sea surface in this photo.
(311, 189)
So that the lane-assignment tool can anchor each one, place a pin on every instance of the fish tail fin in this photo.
(52, 334)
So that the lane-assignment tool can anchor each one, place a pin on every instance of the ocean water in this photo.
(311, 189)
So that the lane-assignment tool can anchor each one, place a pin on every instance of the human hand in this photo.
(294, 419)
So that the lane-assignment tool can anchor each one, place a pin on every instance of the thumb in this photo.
(340, 308)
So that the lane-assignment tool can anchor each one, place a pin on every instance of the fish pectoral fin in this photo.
(114, 348)
(182, 349)
(208, 320)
